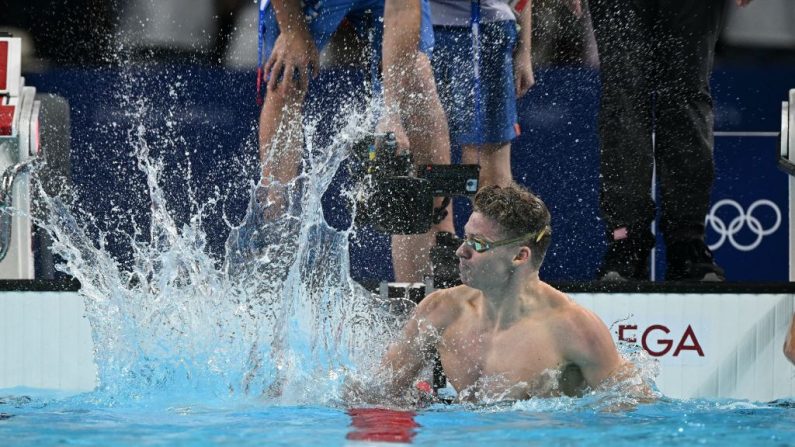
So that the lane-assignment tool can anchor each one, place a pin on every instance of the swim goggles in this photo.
(481, 245)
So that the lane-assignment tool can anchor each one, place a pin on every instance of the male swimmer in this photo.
(505, 334)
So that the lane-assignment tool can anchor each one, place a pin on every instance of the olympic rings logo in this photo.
(743, 218)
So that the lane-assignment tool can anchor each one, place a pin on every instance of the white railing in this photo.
(787, 163)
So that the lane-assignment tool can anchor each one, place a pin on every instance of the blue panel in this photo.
(748, 225)
(205, 120)
(557, 157)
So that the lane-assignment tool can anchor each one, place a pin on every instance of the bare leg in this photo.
(281, 136)
(430, 143)
(495, 162)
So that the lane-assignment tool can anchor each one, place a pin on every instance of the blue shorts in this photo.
(453, 69)
(323, 21)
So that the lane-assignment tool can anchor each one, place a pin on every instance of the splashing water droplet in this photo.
(281, 317)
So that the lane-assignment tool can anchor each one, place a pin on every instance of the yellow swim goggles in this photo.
(481, 245)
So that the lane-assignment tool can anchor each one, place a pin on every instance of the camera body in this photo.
(394, 196)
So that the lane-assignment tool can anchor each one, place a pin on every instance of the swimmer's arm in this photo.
(789, 344)
(590, 346)
(414, 349)
(404, 359)
(391, 382)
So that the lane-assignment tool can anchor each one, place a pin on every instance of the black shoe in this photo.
(627, 259)
(691, 260)
(444, 261)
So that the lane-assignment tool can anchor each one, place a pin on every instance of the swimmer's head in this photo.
(518, 212)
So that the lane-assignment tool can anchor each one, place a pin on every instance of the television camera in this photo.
(394, 195)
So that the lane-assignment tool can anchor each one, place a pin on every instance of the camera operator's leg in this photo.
(280, 135)
(280, 148)
(411, 256)
(294, 62)
(430, 143)
(494, 160)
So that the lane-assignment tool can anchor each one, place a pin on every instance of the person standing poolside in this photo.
(656, 111)
(505, 334)
(505, 70)
(294, 32)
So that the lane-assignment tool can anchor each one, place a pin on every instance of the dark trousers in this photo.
(656, 57)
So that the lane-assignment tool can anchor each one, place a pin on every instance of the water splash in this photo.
(280, 319)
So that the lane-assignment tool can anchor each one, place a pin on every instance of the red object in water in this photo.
(382, 425)
(425, 387)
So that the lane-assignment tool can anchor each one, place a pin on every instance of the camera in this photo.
(395, 196)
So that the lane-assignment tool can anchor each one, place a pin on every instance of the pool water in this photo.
(535, 422)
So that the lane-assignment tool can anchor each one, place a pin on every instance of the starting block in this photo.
(33, 127)
(19, 148)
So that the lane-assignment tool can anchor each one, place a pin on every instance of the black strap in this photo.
(441, 212)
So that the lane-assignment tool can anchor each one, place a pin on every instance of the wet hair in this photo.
(518, 212)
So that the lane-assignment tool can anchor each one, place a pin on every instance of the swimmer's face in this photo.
(487, 268)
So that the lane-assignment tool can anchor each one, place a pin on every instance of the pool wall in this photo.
(710, 345)
(45, 342)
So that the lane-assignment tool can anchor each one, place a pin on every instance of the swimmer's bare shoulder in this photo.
(412, 349)
(443, 307)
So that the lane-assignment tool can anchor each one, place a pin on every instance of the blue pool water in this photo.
(534, 422)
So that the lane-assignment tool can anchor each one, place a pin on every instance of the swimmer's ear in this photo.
(523, 256)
